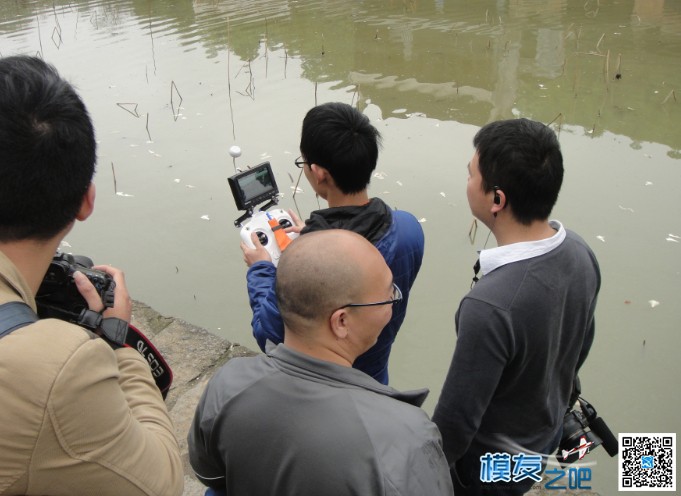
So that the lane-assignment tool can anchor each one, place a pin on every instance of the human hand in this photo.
(122, 308)
(297, 223)
(252, 255)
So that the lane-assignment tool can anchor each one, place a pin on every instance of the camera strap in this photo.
(15, 315)
(160, 370)
(119, 333)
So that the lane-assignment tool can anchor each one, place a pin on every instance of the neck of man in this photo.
(507, 230)
(316, 349)
(336, 198)
(32, 258)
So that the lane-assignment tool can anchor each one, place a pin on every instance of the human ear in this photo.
(88, 203)
(319, 173)
(339, 323)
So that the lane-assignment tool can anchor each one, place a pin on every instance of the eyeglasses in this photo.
(300, 163)
(396, 298)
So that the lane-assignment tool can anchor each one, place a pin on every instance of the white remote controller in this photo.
(259, 224)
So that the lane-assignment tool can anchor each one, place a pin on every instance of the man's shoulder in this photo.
(36, 355)
(404, 234)
(405, 219)
(53, 335)
(238, 374)
(44, 346)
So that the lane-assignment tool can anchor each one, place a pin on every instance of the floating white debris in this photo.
(190, 186)
(422, 220)
(653, 303)
(399, 183)
(602, 238)
(442, 194)
(386, 192)
(672, 240)
(625, 208)
(649, 183)
(120, 193)
(149, 142)
(399, 111)
(133, 145)
(205, 217)
(176, 181)
(673, 236)
(379, 175)
(297, 190)
(65, 244)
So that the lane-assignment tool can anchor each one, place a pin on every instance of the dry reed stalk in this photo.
(133, 112)
(672, 94)
(40, 40)
(599, 41)
(113, 171)
(229, 85)
(173, 86)
(151, 36)
(266, 58)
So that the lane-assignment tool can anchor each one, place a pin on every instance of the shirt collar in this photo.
(300, 364)
(494, 258)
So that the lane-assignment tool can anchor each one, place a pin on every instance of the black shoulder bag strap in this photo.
(15, 315)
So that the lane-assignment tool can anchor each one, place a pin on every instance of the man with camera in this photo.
(299, 419)
(526, 326)
(78, 416)
(339, 149)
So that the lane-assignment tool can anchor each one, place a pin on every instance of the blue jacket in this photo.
(402, 247)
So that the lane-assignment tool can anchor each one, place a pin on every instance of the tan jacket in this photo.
(76, 417)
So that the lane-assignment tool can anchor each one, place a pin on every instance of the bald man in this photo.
(299, 419)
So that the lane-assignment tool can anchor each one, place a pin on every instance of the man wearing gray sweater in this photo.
(526, 327)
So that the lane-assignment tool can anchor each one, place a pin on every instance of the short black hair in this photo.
(523, 159)
(341, 139)
(47, 150)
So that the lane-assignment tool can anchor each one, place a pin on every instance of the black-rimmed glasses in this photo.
(396, 298)
(300, 163)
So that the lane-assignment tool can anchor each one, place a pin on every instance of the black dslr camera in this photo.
(584, 430)
(59, 298)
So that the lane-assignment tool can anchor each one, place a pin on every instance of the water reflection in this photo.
(600, 65)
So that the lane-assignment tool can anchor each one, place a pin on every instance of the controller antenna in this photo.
(234, 151)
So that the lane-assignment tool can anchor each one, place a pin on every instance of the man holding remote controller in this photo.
(77, 416)
(339, 148)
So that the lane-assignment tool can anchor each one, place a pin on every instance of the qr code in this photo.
(647, 462)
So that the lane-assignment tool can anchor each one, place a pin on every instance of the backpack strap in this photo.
(15, 315)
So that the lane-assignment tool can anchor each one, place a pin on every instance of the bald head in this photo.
(322, 271)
